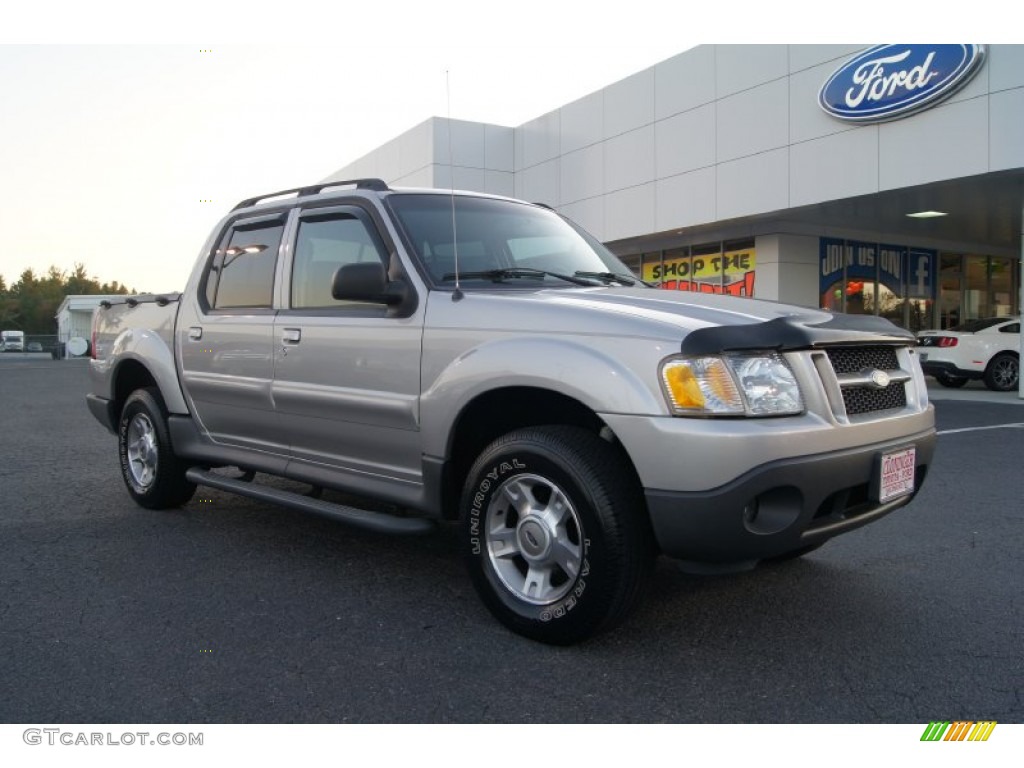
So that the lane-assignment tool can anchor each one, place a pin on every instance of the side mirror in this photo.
(368, 282)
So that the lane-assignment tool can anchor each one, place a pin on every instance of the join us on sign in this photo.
(838, 255)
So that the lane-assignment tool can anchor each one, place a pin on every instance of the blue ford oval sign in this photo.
(892, 81)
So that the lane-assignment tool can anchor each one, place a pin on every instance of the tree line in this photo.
(30, 304)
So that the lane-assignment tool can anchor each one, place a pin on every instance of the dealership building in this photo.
(866, 179)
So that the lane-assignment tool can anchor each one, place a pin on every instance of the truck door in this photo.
(226, 337)
(347, 375)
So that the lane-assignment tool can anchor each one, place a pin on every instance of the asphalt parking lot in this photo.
(231, 610)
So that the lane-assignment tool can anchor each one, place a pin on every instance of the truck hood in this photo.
(703, 323)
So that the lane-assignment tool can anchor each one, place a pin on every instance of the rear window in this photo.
(973, 326)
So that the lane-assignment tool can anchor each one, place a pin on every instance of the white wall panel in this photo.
(753, 121)
(629, 212)
(802, 57)
(424, 177)
(798, 268)
(539, 184)
(787, 269)
(806, 119)
(755, 184)
(946, 142)
(582, 122)
(415, 147)
(467, 143)
(1006, 67)
(978, 86)
(388, 160)
(739, 67)
(767, 271)
(473, 179)
(629, 103)
(589, 214)
(629, 159)
(684, 81)
(1006, 110)
(499, 148)
(686, 200)
(499, 183)
(842, 165)
(685, 141)
(582, 174)
(537, 141)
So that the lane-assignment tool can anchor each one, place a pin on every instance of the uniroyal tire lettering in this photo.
(562, 609)
(478, 500)
(123, 454)
(549, 613)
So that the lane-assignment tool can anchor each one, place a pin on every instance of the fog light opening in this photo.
(773, 511)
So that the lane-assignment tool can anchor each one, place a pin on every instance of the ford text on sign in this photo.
(892, 81)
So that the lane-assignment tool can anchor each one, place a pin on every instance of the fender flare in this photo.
(558, 365)
(149, 349)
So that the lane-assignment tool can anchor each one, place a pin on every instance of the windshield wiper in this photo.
(497, 275)
(614, 277)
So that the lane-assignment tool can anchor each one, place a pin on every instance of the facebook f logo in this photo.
(921, 280)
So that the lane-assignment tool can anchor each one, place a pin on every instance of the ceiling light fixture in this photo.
(926, 214)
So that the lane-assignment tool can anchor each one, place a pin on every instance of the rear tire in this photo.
(153, 475)
(947, 380)
(1003, 372)
(555, 534)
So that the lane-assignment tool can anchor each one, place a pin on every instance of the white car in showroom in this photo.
(986, 349)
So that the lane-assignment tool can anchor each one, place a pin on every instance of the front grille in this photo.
(860, 399)
(857, 359)
(863, 400)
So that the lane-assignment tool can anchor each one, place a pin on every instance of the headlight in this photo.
(731, 385)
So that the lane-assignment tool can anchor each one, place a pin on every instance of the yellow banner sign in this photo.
(704, 273)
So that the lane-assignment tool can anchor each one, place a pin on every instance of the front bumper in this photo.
(939, 367)
(782, 506)
(729, 490)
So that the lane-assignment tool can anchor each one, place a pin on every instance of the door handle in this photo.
(195, 333)
(291, 335)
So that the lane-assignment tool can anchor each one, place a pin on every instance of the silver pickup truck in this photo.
(461, 357)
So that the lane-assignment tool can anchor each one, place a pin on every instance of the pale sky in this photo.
(106, 151)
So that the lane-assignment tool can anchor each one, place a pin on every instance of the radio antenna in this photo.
(457, 293)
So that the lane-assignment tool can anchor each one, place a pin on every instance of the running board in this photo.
(361, 518)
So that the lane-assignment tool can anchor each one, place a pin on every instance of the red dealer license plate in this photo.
(897, 474)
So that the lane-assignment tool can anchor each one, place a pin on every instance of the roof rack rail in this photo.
(377, 185)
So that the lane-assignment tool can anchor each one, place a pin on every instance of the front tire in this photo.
(1003, 372)
(555, 534)
(153, 475)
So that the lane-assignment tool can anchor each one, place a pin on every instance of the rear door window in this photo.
(242, 272)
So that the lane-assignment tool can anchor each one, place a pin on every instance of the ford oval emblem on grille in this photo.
(879, 379)
(892, 81)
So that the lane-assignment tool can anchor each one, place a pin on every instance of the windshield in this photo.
(500, 242)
